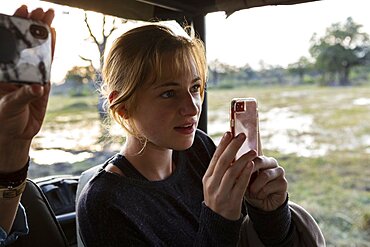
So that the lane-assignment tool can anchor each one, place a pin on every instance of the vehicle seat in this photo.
(84, 179)
(44, 229)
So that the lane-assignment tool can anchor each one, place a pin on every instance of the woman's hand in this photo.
(22, 109)
(225, 181)
(268, 188)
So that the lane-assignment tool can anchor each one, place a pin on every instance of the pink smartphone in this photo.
(244, 119)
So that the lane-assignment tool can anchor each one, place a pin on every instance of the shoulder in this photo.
(203, 140)
(97, 191)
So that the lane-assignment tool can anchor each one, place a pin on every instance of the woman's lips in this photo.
(186, 129)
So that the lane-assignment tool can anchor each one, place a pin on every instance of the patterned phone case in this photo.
(244, 119)
(25, 50)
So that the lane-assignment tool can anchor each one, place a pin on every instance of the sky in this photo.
(276, 35)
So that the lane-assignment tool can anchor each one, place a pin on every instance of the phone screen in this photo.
(25, 50)
(244, 119)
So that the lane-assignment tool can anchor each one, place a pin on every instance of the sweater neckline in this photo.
(132, 174)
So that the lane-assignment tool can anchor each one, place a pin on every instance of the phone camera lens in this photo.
(39, 32)
(240, 106)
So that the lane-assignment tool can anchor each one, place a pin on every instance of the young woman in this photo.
(170, 185)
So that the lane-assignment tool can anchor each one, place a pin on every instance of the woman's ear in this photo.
(112, 96)
(122, 108)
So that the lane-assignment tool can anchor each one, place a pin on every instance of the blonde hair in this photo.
(136, 60)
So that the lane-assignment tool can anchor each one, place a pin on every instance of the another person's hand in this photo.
(22, 109)
(268, 189)
(225, 181)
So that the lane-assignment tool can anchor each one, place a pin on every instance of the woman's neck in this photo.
(153, 162)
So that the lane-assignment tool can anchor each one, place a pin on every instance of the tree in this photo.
(79, 77)
(109, 25)
(341, 48)
(300, 68)
(218, 71)
(248, 72)
(101, 36)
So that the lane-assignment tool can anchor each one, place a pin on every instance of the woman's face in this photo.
(168, 111)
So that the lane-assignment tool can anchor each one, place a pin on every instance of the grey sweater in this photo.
(132, 211)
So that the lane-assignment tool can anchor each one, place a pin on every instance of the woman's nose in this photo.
(190, 105)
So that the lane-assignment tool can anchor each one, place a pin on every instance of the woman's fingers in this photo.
(227, 157)
(262, 184)
(53, 41)
(242, 181)
(239, 173)
(21, 12)
(22, 96)
(225, 140)
(263, 162)
(37, 14)
(48, 17)
(225, 180)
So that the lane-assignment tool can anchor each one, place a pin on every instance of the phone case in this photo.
(244, 119)
(25, 50)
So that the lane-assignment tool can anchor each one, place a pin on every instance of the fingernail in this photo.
(28, 88)
(241, 136)
(250, 165)
(226, 135)
(34, 90)
(253, 152)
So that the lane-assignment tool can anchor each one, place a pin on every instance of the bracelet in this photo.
(16, 178)
(11, 192)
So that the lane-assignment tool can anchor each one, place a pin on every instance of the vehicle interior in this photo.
(50, 201)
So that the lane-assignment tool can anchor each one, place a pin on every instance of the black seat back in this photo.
(84, 179)
(60, 191)
(44, 229)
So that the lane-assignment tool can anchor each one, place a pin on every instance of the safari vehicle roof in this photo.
(188, 11)
(169, 9)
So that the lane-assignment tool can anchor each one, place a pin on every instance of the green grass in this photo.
(63, 108)
(334, 188)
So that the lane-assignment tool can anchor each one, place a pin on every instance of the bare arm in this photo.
(22, 110)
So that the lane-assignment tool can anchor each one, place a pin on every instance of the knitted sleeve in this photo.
(273, 228)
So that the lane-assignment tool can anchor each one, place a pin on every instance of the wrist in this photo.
(13, 155)
(11, 192)
(14, 179)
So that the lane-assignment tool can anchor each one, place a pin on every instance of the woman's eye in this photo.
(168, 94)
(195, 88)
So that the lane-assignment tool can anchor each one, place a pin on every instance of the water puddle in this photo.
(53, 156)
(69, 142)
(71, 136)
(361, 101)
(289, 133)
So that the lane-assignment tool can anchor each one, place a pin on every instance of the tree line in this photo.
(341, 57)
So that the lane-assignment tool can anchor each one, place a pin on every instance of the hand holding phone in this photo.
(22, 107)
(25, 50)
(244, 119)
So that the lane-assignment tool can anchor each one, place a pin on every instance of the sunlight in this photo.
(42, 157)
